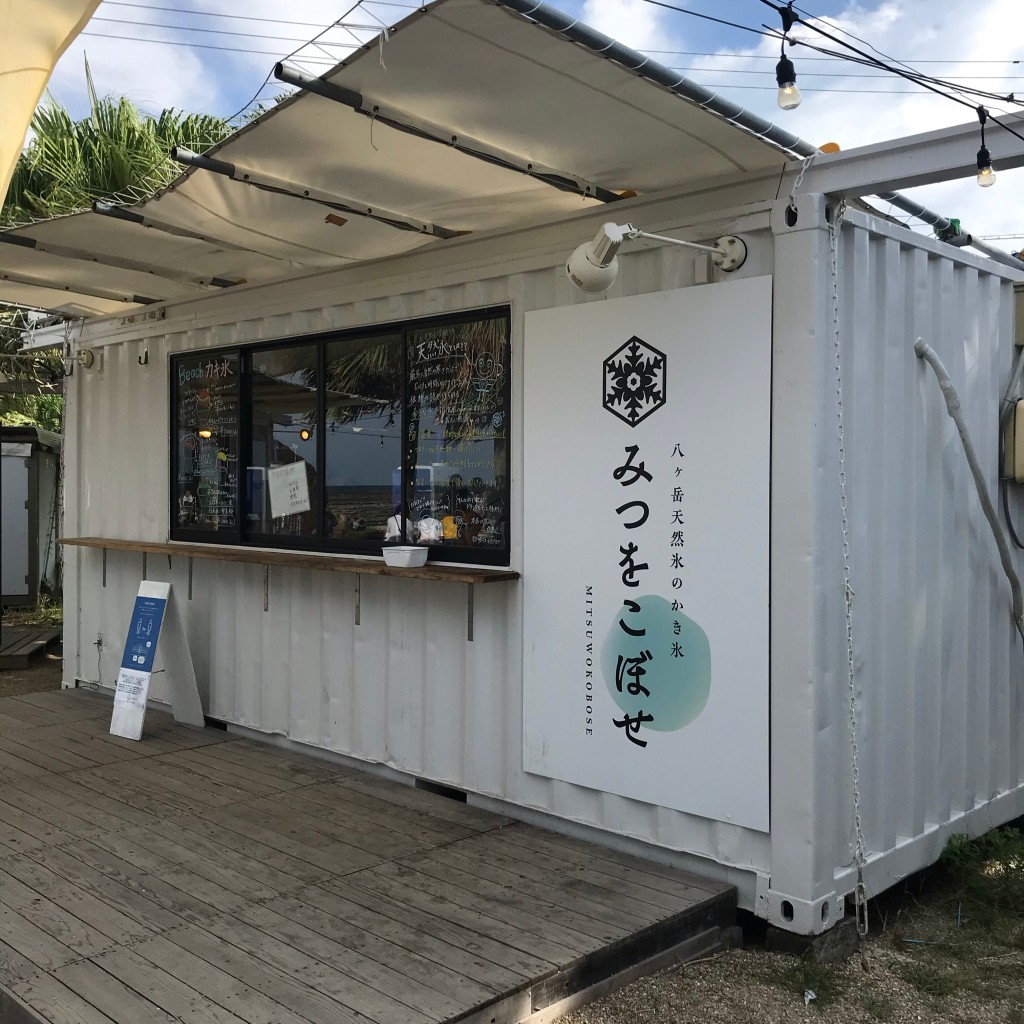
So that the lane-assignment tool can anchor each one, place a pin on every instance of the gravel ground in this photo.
(754, 987)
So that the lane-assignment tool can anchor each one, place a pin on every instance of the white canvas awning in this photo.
(466, 118)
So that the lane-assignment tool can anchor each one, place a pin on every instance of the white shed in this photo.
(633, 624)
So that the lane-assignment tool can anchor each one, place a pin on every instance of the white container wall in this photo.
(939, 722)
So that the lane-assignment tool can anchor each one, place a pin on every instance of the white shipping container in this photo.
(938, 661)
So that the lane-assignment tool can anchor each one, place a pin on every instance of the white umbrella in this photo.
(35, 34)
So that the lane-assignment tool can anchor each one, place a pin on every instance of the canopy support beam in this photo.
(82, 256)
(91, 292)
(282, 186)
(432, 133)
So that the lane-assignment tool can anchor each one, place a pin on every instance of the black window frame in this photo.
(241, 535)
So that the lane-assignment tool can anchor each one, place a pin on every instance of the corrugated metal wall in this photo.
(938, 661)
(937, 666)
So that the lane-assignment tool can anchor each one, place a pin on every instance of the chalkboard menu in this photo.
(457, 415)
(206, 404)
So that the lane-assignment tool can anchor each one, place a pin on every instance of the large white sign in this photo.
(647, 456)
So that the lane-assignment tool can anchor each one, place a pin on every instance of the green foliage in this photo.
(27, 410)
(989, 870)
(68, 164)
(65, 167)
(49, 612)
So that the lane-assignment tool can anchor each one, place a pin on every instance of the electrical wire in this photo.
(208, 31)
(707, 17)
(209, 46)
(243, 17)
(762, 56)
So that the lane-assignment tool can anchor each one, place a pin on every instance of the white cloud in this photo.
(634, 22)
(960, 32)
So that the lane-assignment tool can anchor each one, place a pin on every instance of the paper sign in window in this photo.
(288, 489)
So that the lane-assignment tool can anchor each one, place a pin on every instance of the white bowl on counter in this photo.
(403, 556)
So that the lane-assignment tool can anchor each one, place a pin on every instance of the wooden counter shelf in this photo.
(473, 575)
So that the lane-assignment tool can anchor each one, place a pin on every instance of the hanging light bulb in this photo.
(304, 434)
(986, 173)
(785, 75)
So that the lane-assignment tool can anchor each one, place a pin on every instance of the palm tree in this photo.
(69, 163)
(65, 167)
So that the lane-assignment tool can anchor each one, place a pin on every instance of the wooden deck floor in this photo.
(20, 644)
(199, 877)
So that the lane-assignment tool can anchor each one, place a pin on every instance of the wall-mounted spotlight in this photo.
(592, 267)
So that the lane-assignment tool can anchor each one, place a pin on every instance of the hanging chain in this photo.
(808, 160)
(65, 406)
(860, 856)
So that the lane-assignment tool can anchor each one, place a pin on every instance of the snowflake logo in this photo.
(634, 381)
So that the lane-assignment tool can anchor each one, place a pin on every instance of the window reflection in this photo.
(282, 482)
(458, 433)
(364, 441)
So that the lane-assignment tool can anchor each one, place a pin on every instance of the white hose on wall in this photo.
(927, 353)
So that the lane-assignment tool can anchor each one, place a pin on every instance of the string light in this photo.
(785, 73)
(986, 175)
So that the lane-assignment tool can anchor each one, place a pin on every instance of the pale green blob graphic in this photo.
(679, 686)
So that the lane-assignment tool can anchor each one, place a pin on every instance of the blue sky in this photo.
(209, 57)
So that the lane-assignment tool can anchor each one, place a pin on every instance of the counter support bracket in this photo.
(266, 588)
(104, 567)
(358, 599)
(469, 612)
(190, 579)
(145, 564)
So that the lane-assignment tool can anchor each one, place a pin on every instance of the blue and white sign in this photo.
(140, 648)
(154, 610)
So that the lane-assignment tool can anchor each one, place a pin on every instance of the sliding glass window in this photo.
(350, 441)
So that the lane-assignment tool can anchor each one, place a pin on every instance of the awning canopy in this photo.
(465, 118)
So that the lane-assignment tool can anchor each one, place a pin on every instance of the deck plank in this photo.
(485, 946)
(176, 892)
(110, 996)
(395, 997)
(289, 836)
(422, 970)
(303, 771)
(472, 875)
(355, 998)
(55, 1002)
(253, 849)
(216, 980)
(200, 877)
(37, 946)
(128, 900)
(55, 919)
(178, 999)
(92, 912)
(476, 819)
(542, 955)
(410, 935)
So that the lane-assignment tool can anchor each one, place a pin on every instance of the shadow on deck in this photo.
(195, 876)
